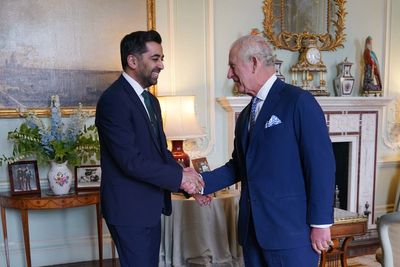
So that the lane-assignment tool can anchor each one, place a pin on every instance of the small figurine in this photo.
(372, 79)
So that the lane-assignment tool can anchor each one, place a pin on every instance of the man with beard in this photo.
(138, 172)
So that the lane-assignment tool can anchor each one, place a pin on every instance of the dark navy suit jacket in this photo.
(287, 171)
(138, 172)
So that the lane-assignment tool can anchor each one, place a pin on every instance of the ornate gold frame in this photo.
(294, 41)
(16, 112)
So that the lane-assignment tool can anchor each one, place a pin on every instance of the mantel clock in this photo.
(309, 72)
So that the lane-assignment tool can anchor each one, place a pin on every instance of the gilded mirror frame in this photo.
(43, 112)
(294, 41)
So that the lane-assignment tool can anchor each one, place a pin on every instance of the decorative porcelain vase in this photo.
(60, 178)
(278, 73)
(344, 82)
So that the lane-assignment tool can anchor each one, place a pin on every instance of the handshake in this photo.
(193, 184)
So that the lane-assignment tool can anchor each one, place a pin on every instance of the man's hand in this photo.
(321, 239)
(192, 182)
(191, 170)
(203, 200)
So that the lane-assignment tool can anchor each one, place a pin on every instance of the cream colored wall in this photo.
(197, 35)
(231, 19)
(388, 178)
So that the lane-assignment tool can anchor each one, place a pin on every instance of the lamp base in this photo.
(179, 154)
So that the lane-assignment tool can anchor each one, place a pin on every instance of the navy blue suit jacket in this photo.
(138, 172)
(287, 171)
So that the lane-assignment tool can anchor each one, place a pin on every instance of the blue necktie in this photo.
(253, 112)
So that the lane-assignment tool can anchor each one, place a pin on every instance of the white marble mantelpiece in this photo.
(235, 103)
(349, 119)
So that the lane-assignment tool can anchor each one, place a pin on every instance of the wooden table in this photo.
(347, 225)
(45, 201)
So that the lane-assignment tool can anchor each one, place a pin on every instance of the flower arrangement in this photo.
(73, 142)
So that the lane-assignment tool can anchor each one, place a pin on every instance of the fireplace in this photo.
(353, 124)
(342, 153)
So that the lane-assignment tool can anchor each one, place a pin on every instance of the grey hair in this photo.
(255, 46)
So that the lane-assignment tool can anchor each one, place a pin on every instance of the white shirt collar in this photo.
(263, 93)
(137, 88)
(135, 85)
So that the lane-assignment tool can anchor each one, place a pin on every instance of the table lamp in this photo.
(180, 124)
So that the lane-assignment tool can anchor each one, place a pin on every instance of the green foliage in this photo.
(27, 143)
(76, 144)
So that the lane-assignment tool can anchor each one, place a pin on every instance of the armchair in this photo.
(379, 254)
(389, 235)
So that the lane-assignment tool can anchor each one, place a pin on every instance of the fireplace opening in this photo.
(342, 154)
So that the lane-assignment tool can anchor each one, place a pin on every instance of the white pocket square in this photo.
(274, 120)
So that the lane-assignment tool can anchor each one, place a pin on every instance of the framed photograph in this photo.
(49, 48)
(201, 165)
(24, 177)
(87, 177)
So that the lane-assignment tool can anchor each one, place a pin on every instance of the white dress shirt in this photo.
(137, 88)
(263, 93)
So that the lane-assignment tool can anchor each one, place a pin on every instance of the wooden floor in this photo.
(106, 263)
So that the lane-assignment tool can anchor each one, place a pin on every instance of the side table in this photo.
(44, 201)
(347, 225)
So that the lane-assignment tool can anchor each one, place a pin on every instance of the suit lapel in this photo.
(135, 99)
(268, 107)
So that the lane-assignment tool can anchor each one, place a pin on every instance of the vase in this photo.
(278, 64)
(60, 178)
(344, 82)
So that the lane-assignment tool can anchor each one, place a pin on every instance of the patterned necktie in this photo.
(253, 112)
(150, 110)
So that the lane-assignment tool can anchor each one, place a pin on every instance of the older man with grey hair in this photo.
(284, 160)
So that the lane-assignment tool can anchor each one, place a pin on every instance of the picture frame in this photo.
(201, 165)
(40, 58)
(87, 177)
(24, 177)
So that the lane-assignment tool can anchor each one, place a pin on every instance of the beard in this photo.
(148, 79)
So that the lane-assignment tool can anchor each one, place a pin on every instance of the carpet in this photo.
(363, 261)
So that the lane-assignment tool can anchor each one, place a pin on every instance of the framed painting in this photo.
(65, 48)
(24, 177)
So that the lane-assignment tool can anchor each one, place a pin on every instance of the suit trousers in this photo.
(137, 246)
(256, 256)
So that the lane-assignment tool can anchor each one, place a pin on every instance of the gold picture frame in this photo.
(294, 41)
(10, 63)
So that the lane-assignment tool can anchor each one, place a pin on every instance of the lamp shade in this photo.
(179, 117)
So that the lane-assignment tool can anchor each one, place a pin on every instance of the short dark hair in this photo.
(135, 44)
